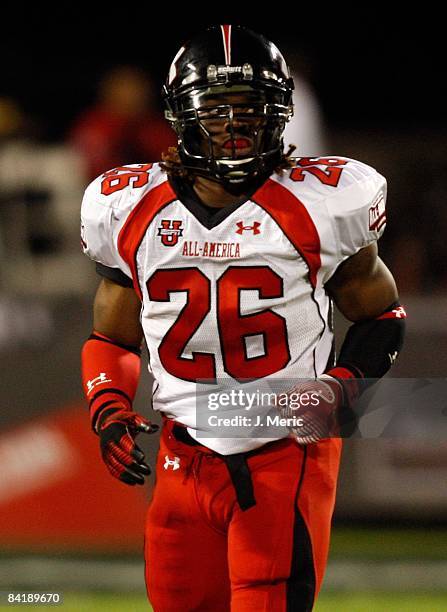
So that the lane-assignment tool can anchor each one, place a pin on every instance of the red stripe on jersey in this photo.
(136, 225)
(292, 217)
(226, 35)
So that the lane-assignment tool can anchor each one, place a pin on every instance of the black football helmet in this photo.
(229, 81)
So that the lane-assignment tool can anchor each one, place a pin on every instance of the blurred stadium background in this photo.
(72, 105)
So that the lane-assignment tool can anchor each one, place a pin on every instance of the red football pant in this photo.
(203, 553)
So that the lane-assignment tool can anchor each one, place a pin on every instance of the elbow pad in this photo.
(371, 347)
(110, 374)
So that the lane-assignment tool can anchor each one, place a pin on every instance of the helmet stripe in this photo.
(226, 35)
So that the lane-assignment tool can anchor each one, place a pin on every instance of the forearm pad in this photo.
(110, 374)
(371, 347)
(369, 350)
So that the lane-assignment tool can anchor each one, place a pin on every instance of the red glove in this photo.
(313, 409)
(117, 428)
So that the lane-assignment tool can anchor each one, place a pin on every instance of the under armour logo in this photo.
(393, 356)
(400, 313)
(396, 313)
(99, 380)
(174, 463)
(254, 228)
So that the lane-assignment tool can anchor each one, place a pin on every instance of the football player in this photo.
(226, 258)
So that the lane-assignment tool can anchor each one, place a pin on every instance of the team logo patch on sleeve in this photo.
(170, 231)
(377, 214)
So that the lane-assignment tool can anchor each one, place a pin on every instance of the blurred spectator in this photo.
(306, 129)
(40, 189)
(24, 200)
(124, 126)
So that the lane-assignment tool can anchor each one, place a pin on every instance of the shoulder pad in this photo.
(358, 207)
(321, 176)
(107, 202)
(352, 193)
(130, 182)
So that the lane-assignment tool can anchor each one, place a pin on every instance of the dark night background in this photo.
(368, 70)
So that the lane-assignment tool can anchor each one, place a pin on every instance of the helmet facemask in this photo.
(230, 133)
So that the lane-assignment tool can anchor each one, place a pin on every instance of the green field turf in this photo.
(381, 543)
(337, 602)
(428, 544)
(385, 544)
(382, 602)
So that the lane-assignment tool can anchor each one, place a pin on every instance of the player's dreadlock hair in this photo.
(172, 165)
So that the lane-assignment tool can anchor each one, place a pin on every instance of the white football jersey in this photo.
(237, 295)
